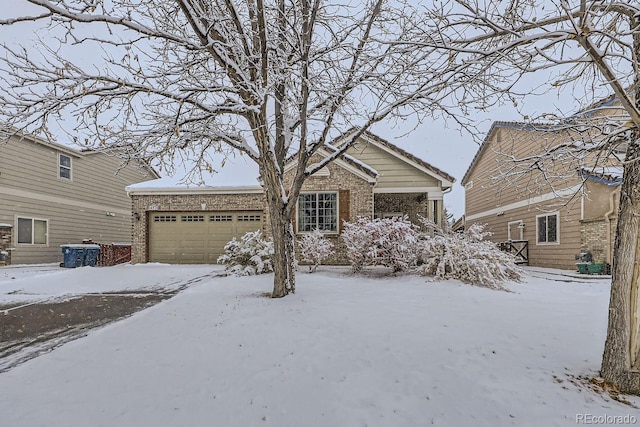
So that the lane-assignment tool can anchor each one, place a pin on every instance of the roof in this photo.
(407, 157)
(611, 176)
(233, 178)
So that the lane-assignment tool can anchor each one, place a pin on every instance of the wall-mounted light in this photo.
(111, 214)
(136, 216)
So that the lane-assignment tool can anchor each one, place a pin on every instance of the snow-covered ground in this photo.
(343, 351)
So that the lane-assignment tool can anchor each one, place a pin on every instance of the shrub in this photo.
(389, 242)
(315, 248)
(467, 257)
(248, 256)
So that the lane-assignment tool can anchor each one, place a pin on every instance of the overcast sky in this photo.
(442, 146)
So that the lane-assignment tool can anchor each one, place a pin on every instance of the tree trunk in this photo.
(620, 361)
(284, 257)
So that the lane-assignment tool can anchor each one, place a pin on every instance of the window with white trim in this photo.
(547, 228)
(32, 231)
(64, 164)
(317, 211)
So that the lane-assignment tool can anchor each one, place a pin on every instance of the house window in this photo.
(547, 228)
(64, 163)
(32, 231)
(220, 218)
(435, 208)
(318, 211)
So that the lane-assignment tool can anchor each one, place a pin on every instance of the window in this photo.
(220, 218)
(192, 218)
(547, 228)
(248, 217)
(32, 231)
(164, 218)
(318, 210)
(65, 166)
(435, 208)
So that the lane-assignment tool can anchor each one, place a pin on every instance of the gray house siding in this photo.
(92, 204)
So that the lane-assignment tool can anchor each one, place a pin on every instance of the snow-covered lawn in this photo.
(343, 351)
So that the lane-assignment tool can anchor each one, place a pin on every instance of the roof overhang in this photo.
(176, 191)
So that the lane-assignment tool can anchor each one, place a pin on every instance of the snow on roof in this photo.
(353, 160)
(233, 176)
(6, 225)
(607, 175)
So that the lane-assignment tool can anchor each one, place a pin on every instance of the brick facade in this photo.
(411, 204)
(5, 243)
(360, 200)
(595, 238)
(142, 205)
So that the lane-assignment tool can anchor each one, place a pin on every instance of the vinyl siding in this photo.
(392, 172)
(560, 255)
(492, 197)
(75, 209)
(493, 188)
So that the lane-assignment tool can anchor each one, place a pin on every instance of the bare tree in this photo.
(269, 79)
(592, 47)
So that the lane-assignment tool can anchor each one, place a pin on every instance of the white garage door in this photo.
(196, 237)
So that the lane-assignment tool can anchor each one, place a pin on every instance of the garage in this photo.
(196, 237)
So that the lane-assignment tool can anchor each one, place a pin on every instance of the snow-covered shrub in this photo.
(390, 242)
(315, 248)
(248, 256)
(467, 257)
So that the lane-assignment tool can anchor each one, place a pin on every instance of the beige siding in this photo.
(598, 200)
(93, 204)
(494, 177)
(497, 192)
(561, 255)
(392, 171)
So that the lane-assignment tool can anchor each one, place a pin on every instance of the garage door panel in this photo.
(197, 237)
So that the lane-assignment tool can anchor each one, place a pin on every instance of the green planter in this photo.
(583, 267)
(595, 268)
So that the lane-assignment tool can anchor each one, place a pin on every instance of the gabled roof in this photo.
(447, 180)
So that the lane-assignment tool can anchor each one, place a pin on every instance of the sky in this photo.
(436, 142)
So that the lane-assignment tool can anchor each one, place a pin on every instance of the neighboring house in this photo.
(183, 224)
(553, 224)
(52, 195)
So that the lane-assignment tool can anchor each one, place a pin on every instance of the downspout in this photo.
(607, 220)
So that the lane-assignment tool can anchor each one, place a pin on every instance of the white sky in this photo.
(444, 147)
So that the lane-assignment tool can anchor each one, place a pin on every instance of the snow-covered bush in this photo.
(467, 257)
(390, 242)
(248, 256)
(315, 248)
